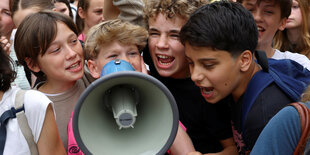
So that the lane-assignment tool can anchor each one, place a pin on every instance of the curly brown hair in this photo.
(171, 8)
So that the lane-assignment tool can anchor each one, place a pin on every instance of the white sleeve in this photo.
(303, 60)
(35, 104)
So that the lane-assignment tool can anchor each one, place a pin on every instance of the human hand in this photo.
(5, 44)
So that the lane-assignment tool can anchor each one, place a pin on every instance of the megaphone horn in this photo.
(123, 100)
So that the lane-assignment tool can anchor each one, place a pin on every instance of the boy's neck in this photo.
(293, 35)
(268, 50)
(246, 78)
(55, 87)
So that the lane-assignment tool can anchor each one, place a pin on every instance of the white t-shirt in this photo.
(35, 104)
(301, 59)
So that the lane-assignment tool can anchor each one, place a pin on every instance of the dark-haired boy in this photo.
(270, 17)
(220, 39)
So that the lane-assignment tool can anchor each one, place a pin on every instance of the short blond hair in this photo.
(114, 30)
(171, 8)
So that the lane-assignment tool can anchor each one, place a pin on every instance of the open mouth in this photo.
(260, 29)
(164, 59)
(74, 66)
(207, 90)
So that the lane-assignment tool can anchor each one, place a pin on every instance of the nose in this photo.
(196, 75)
(124, 57)
(257, 16)
(102, 18)
(162, 42)
(71, 53)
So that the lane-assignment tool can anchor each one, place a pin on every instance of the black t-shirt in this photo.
(271, 100)
(206, 123)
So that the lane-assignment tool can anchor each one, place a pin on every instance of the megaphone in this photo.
(125, 112)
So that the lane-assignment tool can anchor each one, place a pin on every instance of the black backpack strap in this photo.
(23, 123)
(4, 120)
(262, 60)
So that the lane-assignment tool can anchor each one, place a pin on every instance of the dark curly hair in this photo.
(7, 74)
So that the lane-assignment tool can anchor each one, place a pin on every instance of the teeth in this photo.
(162, 56)
(259, 29)
(164, 63)
(74, 66)
(205, 91)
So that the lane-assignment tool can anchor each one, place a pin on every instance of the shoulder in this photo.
(34, 99)
(268, 103)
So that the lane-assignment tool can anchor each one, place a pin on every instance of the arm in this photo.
(127, 10)
(182, 143)
(229, 148)
(49, 141)
(110, 11)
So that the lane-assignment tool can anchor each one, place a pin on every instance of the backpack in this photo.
(289, 75)
(18, 111)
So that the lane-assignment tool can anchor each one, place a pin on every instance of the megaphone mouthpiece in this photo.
(123, 100)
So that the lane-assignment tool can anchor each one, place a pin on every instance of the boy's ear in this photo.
(282, 24)
(94, 70)
(54, 9)
(246, 59)
(81, 12)
(31, 66)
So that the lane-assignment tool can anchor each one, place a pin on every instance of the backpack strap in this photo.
(257, 84)
(23, 123)
(11, 113)
(304, 114)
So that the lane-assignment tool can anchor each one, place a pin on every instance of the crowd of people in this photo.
(215, 57)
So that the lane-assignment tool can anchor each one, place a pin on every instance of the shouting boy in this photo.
(220, 39)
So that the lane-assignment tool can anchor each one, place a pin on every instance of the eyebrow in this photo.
(206, 59)
(269, 5)
(249, 4)
(170, 31)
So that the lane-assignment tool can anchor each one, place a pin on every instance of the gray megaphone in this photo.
(125, 112)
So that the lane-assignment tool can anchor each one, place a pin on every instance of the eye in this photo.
(175, 35)
(63, 10)
(73, 41)
(154, 34)
(7, 12)
(295, 6)
(55, 50)
(133, 53)
(268, 12)
(189, 61)
(112, 56)
(98, 12)
(208, 65)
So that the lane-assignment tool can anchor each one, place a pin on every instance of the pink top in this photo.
(82, 37)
